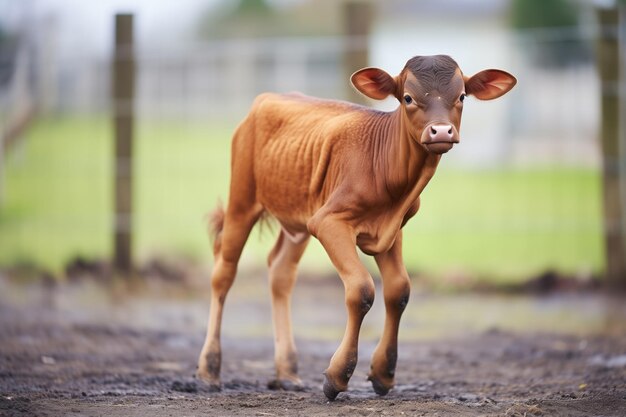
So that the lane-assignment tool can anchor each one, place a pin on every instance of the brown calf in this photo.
(350, 176)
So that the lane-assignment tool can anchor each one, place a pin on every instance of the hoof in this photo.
(285, 385)
(330, 391)
(213, 387)
(379, 387)
(211, 384)
(210, 387)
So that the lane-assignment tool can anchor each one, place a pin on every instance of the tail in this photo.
(215, 225)
(266, 221)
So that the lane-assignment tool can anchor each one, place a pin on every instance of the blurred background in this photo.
(520, 198)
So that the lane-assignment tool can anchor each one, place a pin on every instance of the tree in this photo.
(565, 46)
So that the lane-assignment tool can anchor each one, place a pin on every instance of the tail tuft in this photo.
(215, 225)
(266, 221)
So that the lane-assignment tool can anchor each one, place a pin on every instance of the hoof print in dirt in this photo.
(284, 385)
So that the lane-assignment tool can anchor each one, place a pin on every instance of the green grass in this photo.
(498, 224)
(508, 223)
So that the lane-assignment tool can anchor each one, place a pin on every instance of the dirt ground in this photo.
(88, 349)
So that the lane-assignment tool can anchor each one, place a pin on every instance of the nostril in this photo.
(441, 133)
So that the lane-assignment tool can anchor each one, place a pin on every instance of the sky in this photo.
(86, 25)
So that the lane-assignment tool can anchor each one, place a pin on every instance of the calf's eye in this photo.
(408, 99)
(462, 98)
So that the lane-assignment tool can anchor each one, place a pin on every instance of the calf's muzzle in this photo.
(439, 138)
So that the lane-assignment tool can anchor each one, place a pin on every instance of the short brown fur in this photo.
(350, 176)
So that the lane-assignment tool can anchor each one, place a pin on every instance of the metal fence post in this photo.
(609, 69)
(123, 115)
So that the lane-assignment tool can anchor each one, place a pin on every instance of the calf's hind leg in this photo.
(237, 226)
(283, 262)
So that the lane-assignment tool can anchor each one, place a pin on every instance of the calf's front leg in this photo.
(396, 289)
(339, 241)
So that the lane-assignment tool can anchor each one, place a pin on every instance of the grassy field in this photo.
(501, 224)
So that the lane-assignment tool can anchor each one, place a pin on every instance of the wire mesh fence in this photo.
(520, 196)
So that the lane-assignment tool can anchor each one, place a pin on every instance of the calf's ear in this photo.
(374, 83)
(489, 84)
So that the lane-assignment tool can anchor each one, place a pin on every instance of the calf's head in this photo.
(431, 91)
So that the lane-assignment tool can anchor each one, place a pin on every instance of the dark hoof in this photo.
(213, 387)
(329, 389)
(209, 384)
(379, 388)
(284, 385)
(180, 386)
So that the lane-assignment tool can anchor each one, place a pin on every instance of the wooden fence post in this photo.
(357, 17)
(609, 69)
(123, 115)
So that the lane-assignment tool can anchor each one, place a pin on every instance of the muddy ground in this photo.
(90, 349)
